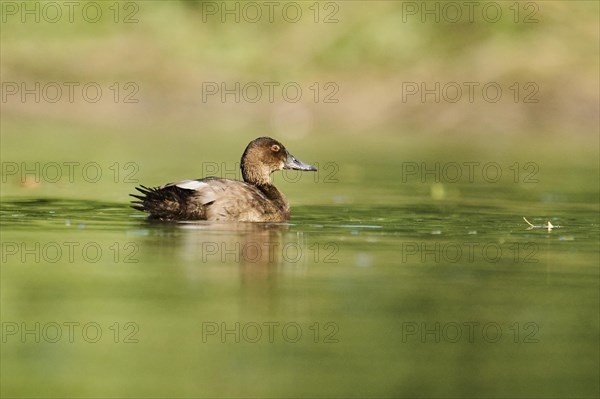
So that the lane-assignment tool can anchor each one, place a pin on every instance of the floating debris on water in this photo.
(548, 226)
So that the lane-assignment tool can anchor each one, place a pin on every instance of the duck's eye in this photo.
(275, 148)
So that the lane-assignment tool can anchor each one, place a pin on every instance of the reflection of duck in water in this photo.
(255, 199)
(245, 244)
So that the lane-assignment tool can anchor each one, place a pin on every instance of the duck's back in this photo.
(210, 199)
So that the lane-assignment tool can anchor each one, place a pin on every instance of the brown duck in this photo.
(255, 199)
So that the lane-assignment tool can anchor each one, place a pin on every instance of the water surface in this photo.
(419, 298)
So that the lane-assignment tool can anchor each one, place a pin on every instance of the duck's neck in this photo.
(256, 176)
(273, 194)
(261, 179)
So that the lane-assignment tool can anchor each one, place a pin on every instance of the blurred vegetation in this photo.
(373, 48)
(169, 49)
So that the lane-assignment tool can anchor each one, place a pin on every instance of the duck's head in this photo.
(264, 156)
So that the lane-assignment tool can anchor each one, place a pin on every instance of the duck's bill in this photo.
(293, 163)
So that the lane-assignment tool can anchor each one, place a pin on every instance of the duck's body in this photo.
(213, 199)
(255, 199)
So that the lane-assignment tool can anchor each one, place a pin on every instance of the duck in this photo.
(255, 199)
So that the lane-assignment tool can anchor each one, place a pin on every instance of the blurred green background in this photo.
(367, 51)
(378, 83)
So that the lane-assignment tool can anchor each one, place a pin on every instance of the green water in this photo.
(419, 293)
